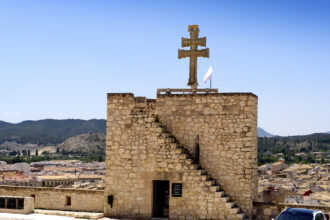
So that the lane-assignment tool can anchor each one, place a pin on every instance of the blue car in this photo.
(301, 214)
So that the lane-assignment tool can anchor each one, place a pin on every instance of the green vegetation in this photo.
(295, 149)
(64, 155)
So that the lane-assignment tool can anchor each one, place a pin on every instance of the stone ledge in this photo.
(49, 189)
(185, 91)
(121, 94)
(202, 92)
(75, 214)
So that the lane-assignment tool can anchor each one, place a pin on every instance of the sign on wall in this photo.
(176, 189)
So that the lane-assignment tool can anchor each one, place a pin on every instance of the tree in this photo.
(57, 150)
(45, 153)
(16, 160)
(13, 153)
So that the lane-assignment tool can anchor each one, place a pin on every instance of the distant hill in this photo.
(4, 124)
(48, 131)
(84, 143)
(263, 133)
(310, 145)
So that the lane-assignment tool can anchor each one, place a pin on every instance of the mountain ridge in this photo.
(48, 131)
(55, 131)
(263, 133)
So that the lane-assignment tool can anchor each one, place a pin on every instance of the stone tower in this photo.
(150, 151)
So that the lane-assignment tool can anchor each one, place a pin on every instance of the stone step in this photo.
(174, 145)
(240, 216)
(169, 140)
(235, 210)
(183, 156)
(210, 182)
(178, 150)
(160, 130)
(214, 188)
(225, 198)
(166, 134)
(157, 124)
(219, 193)
(230, 204)
(194, 167)
(204, 177)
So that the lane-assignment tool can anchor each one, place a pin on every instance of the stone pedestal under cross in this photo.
(193, 53)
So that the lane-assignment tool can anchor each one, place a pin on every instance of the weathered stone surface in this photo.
(51, 198)
(224, 137)
(144, 151)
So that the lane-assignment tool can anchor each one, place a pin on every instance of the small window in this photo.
(34, 197)
(68, 200)
(11, 203)
(2, 203)
(20, 204)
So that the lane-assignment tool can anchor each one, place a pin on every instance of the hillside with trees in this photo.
(48, 131)
(295, 149)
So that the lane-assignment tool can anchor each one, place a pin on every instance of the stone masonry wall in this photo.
(51, 198)
(139, 151)
(227, 127)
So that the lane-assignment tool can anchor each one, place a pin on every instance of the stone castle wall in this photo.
(139, 151)
(226, 124)
(55, 199)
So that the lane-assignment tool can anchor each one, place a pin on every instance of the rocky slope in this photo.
(84, 143)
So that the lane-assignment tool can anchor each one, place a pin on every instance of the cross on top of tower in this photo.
(193, 53)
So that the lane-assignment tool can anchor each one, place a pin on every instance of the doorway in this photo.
(161, 194)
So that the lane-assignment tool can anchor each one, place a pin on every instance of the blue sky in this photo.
(58, 59)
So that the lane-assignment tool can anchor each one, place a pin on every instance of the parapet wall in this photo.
(226, 124)
(56, 199)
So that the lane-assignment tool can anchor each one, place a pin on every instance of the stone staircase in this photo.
(202, 174)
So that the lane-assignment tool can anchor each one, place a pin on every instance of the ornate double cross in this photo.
(193, 53)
